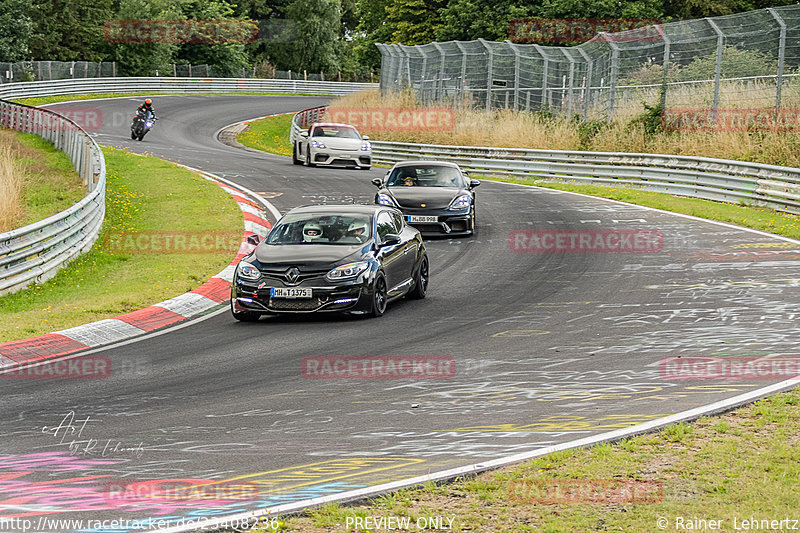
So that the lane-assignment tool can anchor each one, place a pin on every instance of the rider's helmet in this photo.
(311, 232)
(357, 229)
(148, 102)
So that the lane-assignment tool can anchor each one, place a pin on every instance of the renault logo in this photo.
(291, 275)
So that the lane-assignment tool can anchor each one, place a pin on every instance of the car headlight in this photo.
(348, 271)
(366, 147)
(318, 144)
(248, 271)
(461, 202)
(385, 199)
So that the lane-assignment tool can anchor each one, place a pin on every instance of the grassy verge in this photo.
(46, 182)
(144, 195)
(44, 100)
(742, 465)
(270, 134)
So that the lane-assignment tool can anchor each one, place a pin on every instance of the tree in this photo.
(70, 30)
(414, 21)
(145, 59)
(466, 20)
(15, 32)
(313, 36)
(226, 58)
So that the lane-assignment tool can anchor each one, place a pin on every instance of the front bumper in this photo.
(447, 222)
(347, 297)
(328, 156)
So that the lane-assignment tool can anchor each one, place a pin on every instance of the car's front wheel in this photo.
(295, 159)
(244, 316)
(308, 158)
(379, 296)
(421, 280)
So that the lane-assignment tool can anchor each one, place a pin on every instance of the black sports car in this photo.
(351, 258)
(434, 196)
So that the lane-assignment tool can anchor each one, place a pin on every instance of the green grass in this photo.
(269, 134)
(752, 472)
(143, 194)
(51, 183)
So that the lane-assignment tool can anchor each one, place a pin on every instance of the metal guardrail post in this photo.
(781, 58)
(490, 74)
(587, 91)
(614, 74)
(717, 69)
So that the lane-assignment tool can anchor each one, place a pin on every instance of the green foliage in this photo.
(145, 59)
(651, 119)
(316, 27)
(588, 129)
(414, 21)
(70, 30)
(15, 31)
(472, 19)
(735, 63)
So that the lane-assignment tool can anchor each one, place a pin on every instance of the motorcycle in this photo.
(141, 124)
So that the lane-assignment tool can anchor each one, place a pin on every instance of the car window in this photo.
(317, 228)
(385, 225)
(426, 176)
(342, 132)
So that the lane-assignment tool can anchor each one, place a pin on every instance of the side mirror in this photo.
(253, 239)
(304, 134)
(391, 239)
(365, 137)
(377, 182)
(474, 183)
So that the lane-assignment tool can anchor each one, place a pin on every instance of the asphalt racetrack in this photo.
(547, 346)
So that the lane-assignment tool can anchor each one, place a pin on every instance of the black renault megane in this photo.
(347, 258)
(434, 196)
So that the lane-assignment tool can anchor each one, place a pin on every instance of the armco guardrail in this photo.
(701, 177)
(35, 252)
(177, 85)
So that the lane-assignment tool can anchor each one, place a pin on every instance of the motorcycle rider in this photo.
(145, 107)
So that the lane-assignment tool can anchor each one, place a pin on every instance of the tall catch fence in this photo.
(745, 61)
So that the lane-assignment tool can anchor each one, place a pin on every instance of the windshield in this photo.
(425, 176)
(314, 228)
(341, 132)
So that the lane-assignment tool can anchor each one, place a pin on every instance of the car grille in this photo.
(304, 304)
(278, 275)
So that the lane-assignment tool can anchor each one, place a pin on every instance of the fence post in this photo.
(665, 66)
(463, 84)
(781, 58)
(489, 75)
(587, 91)
(440, 93)
(717, 69)
(424, 73)
(571, 81)
(516, 72)
(612, 86)
(545, 65)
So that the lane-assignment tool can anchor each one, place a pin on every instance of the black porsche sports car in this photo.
(347, 258)
(434, 196)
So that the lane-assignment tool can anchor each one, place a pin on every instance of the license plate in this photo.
(418, 218)
(279, 292)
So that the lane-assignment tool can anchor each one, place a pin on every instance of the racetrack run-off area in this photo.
(549, 344)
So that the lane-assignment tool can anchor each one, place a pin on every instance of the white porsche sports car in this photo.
(328, 143)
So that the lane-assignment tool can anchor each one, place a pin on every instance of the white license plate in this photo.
(279, 292)
(418, 218)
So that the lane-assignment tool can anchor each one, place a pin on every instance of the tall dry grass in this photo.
(12, 209)
(506, 128)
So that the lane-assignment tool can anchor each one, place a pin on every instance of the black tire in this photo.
(244, 316)
(308, 158)
(141, 136)
(295, 159)
(365, 168)
(379, 296)
(133, 135)
(421, 280)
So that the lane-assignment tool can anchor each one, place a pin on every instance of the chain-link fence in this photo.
(743, 61)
